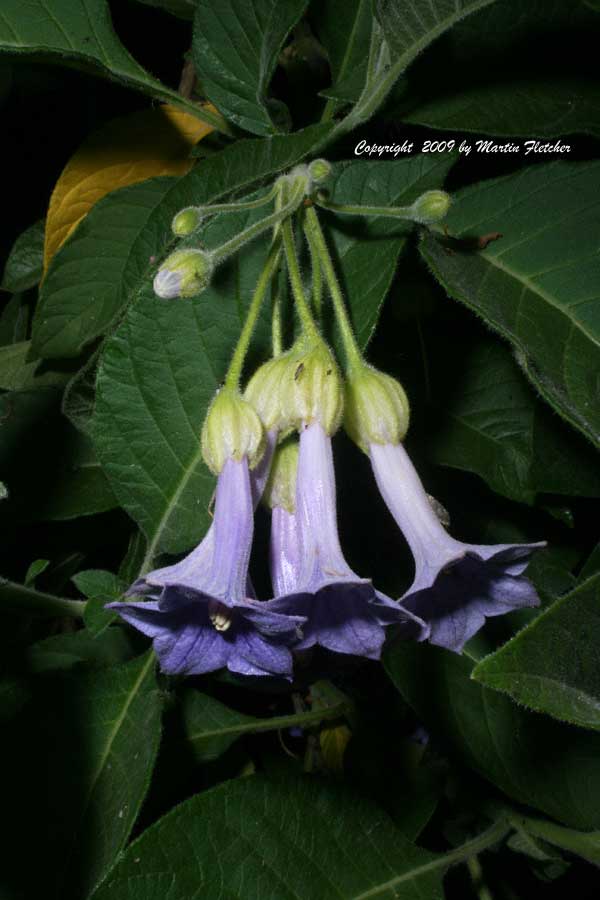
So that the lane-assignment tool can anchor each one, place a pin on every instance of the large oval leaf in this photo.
(77, 766)
(538, 284)
(136, 147)
(257, 839)
(545, 764)
(235, 49)
(81, 30)
(552, 665)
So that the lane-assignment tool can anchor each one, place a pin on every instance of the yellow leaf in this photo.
(334, 740)
(127, 150)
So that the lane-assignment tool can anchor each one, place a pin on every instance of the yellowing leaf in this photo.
(127, 150)
(334, 740)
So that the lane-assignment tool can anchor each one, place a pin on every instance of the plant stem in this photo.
(276, 323)
(231, 246)
(309, 325)
(238, 207)
(476, 873)
(354, 357)
(490, 837)
(390, 212)
(29, 600)
(232, 379)
(317, 275)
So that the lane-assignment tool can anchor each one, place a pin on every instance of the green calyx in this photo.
(184, 273)
(376, 408)
(231, 430)
(280, 490)
(263, 392)
(319, 171)
(186, 221)
(301, 386)
(312, 390)
(431, 207)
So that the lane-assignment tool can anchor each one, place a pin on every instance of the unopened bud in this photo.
(430, 207)
(376, 410)
(280, 490)
(263, 391)
(312, 390)
(231, 430)
(319, 170)
(186, 221)
(184, 273)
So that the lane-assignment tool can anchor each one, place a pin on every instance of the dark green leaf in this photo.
(14, 320)
(63, 651)
(344, 29)
(408, 28)
(158, 374)
(76, 768)
(211, 727)
(592, 564)
(537, 285)
(24, 265)
(535, 760)
(183, 9)
(82, 31)
(255, 838)
(490, 422)
(63, 483)
(118, 245)
(552, 665)
(99, 587)
(36, 568)
(18, 374)
(551, 91)
(235, 49)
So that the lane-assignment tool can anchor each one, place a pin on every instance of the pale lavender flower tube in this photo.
(456, 585)
(310, 574)
(200, 614)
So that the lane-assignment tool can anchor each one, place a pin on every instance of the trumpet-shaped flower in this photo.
(456, 586)
(201, 614)
(310, 575)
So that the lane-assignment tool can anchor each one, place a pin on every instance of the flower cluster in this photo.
(274, 441)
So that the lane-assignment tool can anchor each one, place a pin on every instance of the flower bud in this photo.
(263, 391)
(319, 170)
(312, 389)
(376, 410)
(186, 221)
(231, 430)
(184, 273)
(280, 490)
(430, 207)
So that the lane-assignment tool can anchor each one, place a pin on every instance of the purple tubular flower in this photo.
(310, 575)
(200, 615)
(456, 586)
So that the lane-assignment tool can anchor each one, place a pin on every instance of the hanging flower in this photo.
(456, 586)
(201, 613)
(344, 612)
(200, 616)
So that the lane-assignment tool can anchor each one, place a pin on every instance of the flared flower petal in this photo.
(310, 574)
(203, 617)
(456, 585)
